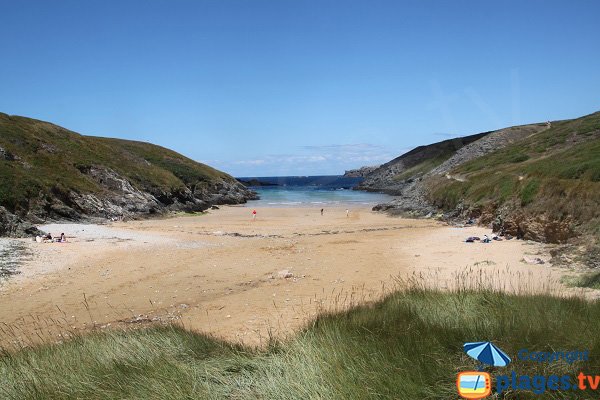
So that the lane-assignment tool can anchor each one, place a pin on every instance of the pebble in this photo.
(285, 274)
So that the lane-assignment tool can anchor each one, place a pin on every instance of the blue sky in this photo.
(297, 87)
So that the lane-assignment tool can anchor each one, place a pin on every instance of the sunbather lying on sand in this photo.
(49, 239)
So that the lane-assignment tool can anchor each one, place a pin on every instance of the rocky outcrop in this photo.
(360, 172)
(411, 202)
(541, 228)
(13, 226)
(120, 199)
(6, 155)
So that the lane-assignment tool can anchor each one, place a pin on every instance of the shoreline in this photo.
(223, 274)
(313, 205)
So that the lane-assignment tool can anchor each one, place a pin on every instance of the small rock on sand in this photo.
(284, 273)
(533, 260)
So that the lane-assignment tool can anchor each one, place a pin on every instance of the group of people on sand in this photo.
(322, 211)
(47, 238)
(347, 212)
(487, 239)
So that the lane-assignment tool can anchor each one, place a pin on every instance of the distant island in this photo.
(324, 182)
(254, 182)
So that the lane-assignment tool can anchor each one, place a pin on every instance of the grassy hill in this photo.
(538, 181)
(545, 186)
(408, 346)
(50, 172)
(389, 177)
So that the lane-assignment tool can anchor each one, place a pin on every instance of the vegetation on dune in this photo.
(588, 280)
(47, 160)
(555, 173)
(408, 346)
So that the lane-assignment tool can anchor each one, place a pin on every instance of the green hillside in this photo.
(390, 177)
(41, 163)
(552, 178)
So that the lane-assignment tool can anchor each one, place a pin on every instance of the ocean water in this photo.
(312, 191)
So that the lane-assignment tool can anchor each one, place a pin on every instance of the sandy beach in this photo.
(224, 274)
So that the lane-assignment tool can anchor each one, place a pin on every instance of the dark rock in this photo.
(13, 226)
(383, 207)
(532, 227)
(120, 199)
(7, 155)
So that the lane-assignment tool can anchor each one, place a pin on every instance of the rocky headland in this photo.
(539, 181)
(48, 173)
(360, 172)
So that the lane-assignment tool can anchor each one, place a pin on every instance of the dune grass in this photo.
(590, 280)
(408, 346)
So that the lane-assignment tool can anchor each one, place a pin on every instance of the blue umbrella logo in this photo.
(487, 353)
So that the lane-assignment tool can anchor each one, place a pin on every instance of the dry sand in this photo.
(220, 272)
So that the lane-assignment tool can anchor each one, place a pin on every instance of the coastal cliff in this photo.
(48, 173)
(392, 176)
(538, 181)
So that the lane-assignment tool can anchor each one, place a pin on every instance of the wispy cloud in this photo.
(312, 159)
(250, 162)
(363, 152)
(445, 135)
(346, 147)
(280, 158)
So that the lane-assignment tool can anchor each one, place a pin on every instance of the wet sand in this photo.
(223, 273)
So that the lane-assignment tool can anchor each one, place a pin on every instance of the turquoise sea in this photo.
(311, 191)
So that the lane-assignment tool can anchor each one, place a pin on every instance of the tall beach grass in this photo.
(406, 346)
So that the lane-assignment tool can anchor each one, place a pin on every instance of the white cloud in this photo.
(250, 162)
(445, 135)
(311, 160)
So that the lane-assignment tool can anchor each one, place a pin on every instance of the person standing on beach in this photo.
(347, 213)
(253, 215)
(321, 211)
